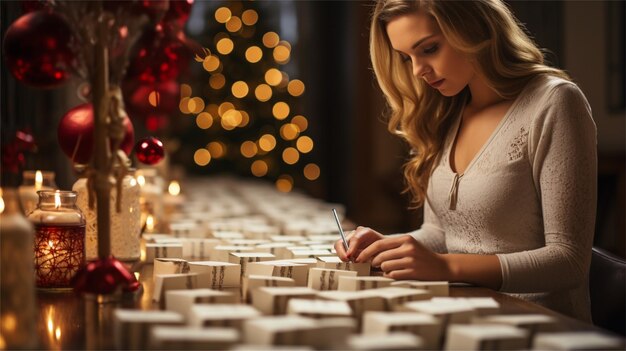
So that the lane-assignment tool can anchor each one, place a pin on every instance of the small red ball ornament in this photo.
(75, 133)
(149, 151)
(104, 276)
(37, 49)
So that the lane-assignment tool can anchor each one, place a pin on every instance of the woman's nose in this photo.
(419, 69)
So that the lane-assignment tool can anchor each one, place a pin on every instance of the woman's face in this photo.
(418, 39)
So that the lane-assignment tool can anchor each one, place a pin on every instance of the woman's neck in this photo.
(482, 96)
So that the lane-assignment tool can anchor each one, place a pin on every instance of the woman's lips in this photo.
(436, 83)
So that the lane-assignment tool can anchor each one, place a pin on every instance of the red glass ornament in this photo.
(178, 12)
(37, 49)
(143, 99)
(104, 276)
(149, 150)
(75, 133)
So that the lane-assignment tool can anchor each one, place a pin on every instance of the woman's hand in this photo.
(402, 257)
(357, 240)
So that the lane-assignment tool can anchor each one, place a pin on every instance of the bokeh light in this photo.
(284, 183)
(259, 168)
(233, 24)
(248, 149)
(273, 77)
(289, 131)
(249, 17)
(267, 142)
(202, 157)
(280, 110)
(223, 14)
(263, 92)
(254, 54)
(204, 120)
(240, 89)
(225, 46)
(217, 149)
(301, 122)
(311, 171)
(291, 155)
(295, 87)
(270, 39)
(304, 144)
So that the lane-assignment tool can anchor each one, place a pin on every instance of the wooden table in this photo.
(68, 322)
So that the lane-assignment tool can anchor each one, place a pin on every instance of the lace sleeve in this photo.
(431, 234)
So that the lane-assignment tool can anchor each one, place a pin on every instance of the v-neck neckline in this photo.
(493, 135)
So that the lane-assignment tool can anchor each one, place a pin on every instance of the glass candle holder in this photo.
(151, 197)
(33, 181)
(59, 239)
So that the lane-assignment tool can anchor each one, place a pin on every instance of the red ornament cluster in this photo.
(104, 276)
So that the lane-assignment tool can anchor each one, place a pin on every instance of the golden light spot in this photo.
(9, 322)
(285, 43)
(185, 90)
(259, 168)
(183, 105)
(222, 15)
(225, 106)
(204, 120)
(239, 89)
(231, 119)
(311, 171)
(263, 92)
(233, 24)
(291, 155)
(304, 144)
(57, 333)
(284, 80)
(281, 54)
(289, 131)
(217, 81)
(225, 46)
(270, 39)
(217, 149)
(301, 122)
(267, 142)
(154, 98)
(249, 17)
(211, 63)
(174, 188)
(280, 110)
(196, 105)
(284, 183)
(295, 87)
(245, 119)
(254, 54)
(248, 149)
(202, 157)
(273, 76)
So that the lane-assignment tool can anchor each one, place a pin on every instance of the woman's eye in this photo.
(431, 49)
(405, 58)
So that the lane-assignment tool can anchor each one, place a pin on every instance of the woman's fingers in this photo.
(396, 264)
(377, 247)
(402, 274)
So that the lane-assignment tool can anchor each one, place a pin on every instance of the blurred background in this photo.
(283, 91)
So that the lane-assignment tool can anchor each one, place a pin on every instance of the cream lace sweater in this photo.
(528, 196)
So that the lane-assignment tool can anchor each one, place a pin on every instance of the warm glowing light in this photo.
(149, 223)
(263, 92)
(141, 180)
(259, 168)
(249, 17)
(185, 90)
(216, 149)
(295, 87)
(183, 105)
(142, 254)
(154, 99)
(202, 157)
(231, 118)
(284, 183)
(38, 180)
(225, 106)
(57, 199)
(217, 81)
(1, 202)
(304, 144)
(204, 120)
(254, 54)
(211, 63)
(239, 89)
(301, 122)
(284, 80)
(9, 322)
(270, 39)
(289, 131)
(291, 155)
(233, 24)
(285, 43)
(50, 325)
(51, 244)
(57, 333)
(248, 149)
(196, 105)
(137, 275)
(311, 171)
(223, 14)
(281, 54)
(280, 110)
(273, 76)
(245, 119)
(225, 46)
(173, 188)
(267, 142)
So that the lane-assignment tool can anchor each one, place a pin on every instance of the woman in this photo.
(504, 155)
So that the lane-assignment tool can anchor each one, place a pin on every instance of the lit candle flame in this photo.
(1, 202)
(174, 188)
(57, 199)
(51, 244)
(137, 275)
(38, 180)
(50, 325)
(150, 223)
(57, 333)
(141, 180)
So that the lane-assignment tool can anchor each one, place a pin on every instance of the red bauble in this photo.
(159, 57)
(142, 99)
(179, 12)
(37, 49)
(104, 276)
(76, 133)
(156, 122)
(149, 150)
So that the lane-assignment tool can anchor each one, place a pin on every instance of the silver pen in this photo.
(343, 236)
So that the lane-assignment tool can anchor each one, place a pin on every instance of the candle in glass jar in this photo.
(59, 239)
(32, 182)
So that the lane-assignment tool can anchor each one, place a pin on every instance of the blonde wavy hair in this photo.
(488, 34)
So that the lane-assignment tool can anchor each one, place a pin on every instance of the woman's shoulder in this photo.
(549, 88)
